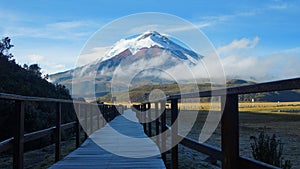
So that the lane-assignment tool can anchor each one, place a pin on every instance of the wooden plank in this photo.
(289, 84)
(201, 147)
(163, 128)
(6, 144)
(157, 123)
(77, 129)
(18, 157)
(249, 163)
(38, 134)
(58, 132)
(230, 132)
(93, 153)
(149, 120)
(174, 131)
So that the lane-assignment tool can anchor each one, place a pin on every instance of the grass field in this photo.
(282, 119)
(256, 107)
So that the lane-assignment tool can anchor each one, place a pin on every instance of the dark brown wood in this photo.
(85, 111)
(249, 163)
(58, 132)
(201, 147)
(77, 129)
(98, 117)
(230, 132)
(144, 118)
(38, 134)
(281, 85)
(91, 119)
(174, 133)
(163, 129)
(156, 123)
(46, 132)
(68, 125)
(6, 144)
(18, 158)
(149, 120)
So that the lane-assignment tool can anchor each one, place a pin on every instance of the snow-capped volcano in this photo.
(147, 54)
(148, 40)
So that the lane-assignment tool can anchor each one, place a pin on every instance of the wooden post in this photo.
(58, 132)
(174, 131)
(149, 121)
(98, 116)
(91, 119)
(144, 118)
(86, 121)
(230, 132)
(163, 129)
(156, 122)
(18, 159)
(77, 126)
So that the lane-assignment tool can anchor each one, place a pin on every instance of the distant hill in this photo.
(283, 96)
(138, 94)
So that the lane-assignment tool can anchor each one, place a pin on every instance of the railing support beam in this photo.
(174, 130)
(58, 132)
(230, 132)
(149, 120)
(163, 130)
(18, 159)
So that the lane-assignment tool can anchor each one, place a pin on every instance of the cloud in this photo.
(96, 53)
(47, 66)
(235, 45)
(239, 63)
(69, 30)
(189, 27)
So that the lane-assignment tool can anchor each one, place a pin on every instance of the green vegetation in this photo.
(28, 81)
(269, 150)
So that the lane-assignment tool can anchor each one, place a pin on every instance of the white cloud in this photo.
(47, 66)
(239, 63)
(96, 53)
(235, 45)
(69, 30)
(189, 27)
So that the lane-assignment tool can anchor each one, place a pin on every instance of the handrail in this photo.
(229, 153)
(41, 99)
(280, 85)
(108, 112)
(288, 84)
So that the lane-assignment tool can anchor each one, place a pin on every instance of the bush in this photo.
(269, 150)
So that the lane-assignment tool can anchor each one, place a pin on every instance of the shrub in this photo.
(269, 150)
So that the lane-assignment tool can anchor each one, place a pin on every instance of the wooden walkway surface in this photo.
(120, 144)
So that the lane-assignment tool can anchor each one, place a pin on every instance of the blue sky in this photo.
(250, 34)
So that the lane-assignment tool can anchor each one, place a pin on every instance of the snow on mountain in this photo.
(148, 40)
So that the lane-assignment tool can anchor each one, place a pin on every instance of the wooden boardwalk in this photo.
(120, 144)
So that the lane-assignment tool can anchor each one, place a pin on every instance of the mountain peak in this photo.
(150, 39)
(149, 34)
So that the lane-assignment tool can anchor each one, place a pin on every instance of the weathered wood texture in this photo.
(93, 153)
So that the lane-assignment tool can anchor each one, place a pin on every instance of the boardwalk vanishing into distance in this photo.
(117, 151)
(91, 155)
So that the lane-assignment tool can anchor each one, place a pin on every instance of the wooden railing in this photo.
(229, 152)
(108, 112)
